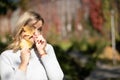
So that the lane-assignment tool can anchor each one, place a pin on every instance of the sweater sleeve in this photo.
(51, 65)
(7, 72)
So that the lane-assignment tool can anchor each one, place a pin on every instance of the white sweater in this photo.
(45, 68)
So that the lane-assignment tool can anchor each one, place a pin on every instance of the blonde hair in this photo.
(24, 20)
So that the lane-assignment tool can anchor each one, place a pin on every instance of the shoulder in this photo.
(7, 53)
(5, 56)
(49, 47)
(8, 56)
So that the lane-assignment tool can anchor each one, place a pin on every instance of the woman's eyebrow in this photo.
(34, 23)
(40, 29)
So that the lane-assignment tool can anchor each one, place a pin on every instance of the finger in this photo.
(42, 42)
(36, 36)
(25, 49)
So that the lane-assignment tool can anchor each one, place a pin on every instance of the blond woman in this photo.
(29, 56)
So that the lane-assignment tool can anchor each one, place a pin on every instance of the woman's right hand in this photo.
(25, 57)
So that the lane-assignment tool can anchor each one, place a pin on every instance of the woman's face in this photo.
(29, 33)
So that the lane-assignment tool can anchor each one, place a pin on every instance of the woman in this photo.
(29, 56)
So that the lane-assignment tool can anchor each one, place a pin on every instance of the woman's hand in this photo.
(40, 43)
(25, 57)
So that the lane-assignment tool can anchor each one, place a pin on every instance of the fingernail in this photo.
(42, 42)
(37, 40)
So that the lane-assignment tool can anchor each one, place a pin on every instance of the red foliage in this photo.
(96, 15)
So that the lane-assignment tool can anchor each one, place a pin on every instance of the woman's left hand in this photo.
(40, 42)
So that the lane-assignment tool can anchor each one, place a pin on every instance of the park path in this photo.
(102, 71)
(105, 72)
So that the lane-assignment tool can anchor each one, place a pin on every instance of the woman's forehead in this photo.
(38, 24)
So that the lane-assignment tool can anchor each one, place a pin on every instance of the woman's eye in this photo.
(40, 29)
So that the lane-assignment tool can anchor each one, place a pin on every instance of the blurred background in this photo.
(84, 33)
